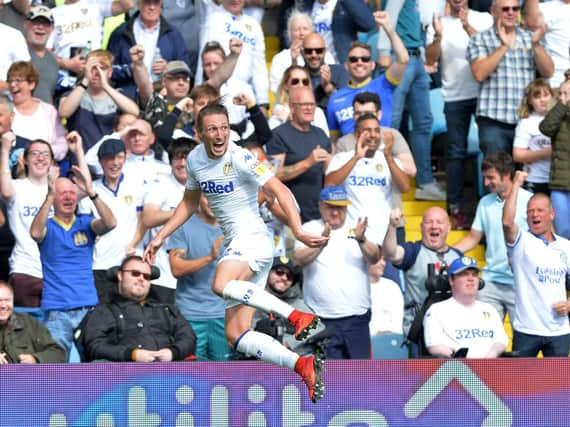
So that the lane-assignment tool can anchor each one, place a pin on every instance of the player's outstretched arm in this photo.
(275, 187)
(185, 209)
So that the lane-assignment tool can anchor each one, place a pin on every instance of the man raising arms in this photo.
(230, 178)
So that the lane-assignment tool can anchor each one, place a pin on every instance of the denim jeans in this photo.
(495, 136)
(529, 345)
(413, 93)
(561, 205)
(62, 325)
(458, 119)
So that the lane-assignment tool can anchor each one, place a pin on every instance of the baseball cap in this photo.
(175, 67)
(40, 12)
(461, 264)
(334, 195)
(110, 147)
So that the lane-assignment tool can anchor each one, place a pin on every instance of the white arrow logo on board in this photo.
(499, 414)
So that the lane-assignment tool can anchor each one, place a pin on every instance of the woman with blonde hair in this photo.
(531, 146)
(295, 75)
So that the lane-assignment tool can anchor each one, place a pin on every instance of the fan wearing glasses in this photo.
(325, 78)
(294, 76)
(360, 66)
(504, 59)
(134, 326)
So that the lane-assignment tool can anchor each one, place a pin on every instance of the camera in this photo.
(437, 281)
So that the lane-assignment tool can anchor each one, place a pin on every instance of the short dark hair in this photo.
(366, 97)
(364, 117)
(209, 110)
(180, 148)
(128, 259)
(359, 44)
(213, 46)
(501, 161)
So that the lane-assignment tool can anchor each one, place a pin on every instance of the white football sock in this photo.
(266, 348)
(249, 294)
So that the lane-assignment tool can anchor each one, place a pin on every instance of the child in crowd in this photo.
(530, 145)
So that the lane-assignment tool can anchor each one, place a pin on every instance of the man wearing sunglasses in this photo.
(325, 78)
(134, 326)
(504, 59)
(360, 66)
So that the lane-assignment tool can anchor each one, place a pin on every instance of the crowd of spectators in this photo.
(96, 126)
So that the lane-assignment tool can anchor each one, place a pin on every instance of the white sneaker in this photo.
(431, 191)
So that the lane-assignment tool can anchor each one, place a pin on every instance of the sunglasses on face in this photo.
(283, 272)
(136, 273)
(311, 50)
(295, 81)
(355, 59)
(506, 9)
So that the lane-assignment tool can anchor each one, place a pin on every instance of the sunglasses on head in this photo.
(136, 273)
(295, 81)
(355, 59)
(280, 271)
(510, 8)
(310, 50)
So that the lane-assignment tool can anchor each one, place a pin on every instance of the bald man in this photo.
(326, 79)
(146, 160)
(414, 257)
(66, 243)
(540, 262)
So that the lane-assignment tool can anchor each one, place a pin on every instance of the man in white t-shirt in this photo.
(463, 322)
(368, 172)
(556, 15)
(230, 178)
(159, 204)
(539, 259)
(12, 50)
(229, 21)
(447, 41)
(123, 193)
(78, 28)
(336, 285)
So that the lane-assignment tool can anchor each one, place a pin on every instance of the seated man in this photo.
(285, 282)
(461, 321)
(134, 327)
(22, 338)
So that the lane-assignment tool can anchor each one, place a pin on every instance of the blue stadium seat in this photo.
(388, 346)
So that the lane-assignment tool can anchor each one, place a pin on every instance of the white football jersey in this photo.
(230, 183)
